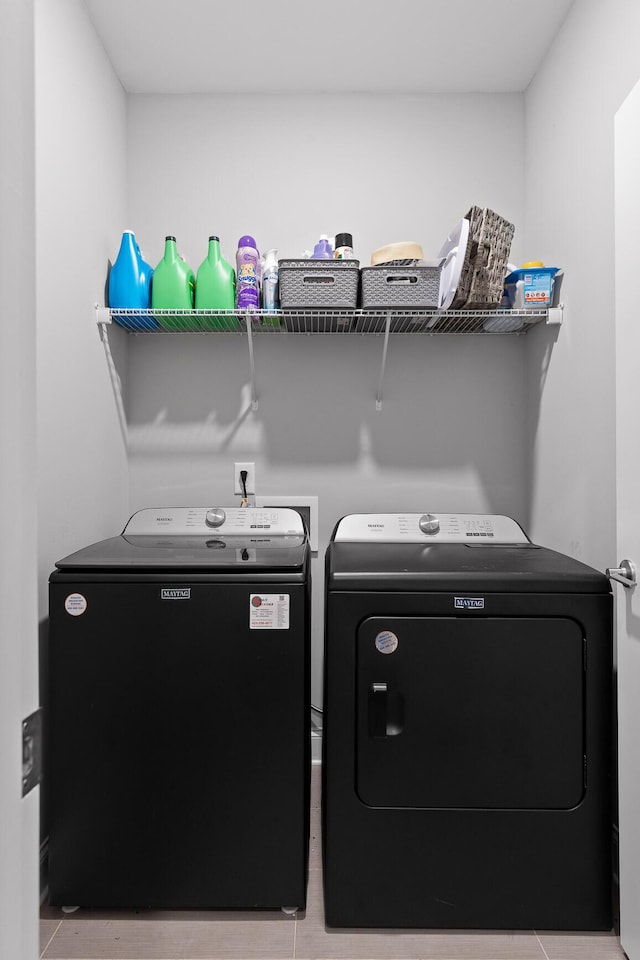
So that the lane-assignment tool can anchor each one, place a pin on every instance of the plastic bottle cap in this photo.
(344, 240)
(215, 238)
(530, 264)
(247, 241)
(171, 238)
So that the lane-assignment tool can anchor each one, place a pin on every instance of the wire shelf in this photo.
(429, 322)
(377, 322)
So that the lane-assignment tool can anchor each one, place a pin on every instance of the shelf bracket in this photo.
(254, 398)
(387, 328)
(555, 315)
(103, 317)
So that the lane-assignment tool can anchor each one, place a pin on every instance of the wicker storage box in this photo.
(318, 284)
(416, 287)
(485, 263)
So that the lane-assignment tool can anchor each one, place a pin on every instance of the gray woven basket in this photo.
(485, 263)
(394, 287)
(318, 284)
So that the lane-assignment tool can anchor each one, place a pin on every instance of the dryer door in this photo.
(471, 713)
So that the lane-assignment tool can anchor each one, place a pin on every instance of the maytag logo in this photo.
(468, 603)
(175, 593)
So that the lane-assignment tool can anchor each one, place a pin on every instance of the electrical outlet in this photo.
(251, 478)
(307, 507)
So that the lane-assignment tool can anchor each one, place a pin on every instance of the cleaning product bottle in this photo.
(173, 286)
(216, 288)
(270, 290)
(130, 285)
(248, 284)
(344, 247)
(323, 249)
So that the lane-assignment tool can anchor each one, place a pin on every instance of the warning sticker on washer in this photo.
(386, 642)
(75, 604)
(269, 611)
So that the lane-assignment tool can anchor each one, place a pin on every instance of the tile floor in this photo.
(197, 935)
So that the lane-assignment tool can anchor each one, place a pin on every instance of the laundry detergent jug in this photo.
(130, 282)
(216, 288)
(173, 287)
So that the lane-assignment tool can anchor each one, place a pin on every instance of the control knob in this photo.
(215, 517)
(429, 523)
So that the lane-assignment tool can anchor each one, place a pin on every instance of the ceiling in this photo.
(293, 46)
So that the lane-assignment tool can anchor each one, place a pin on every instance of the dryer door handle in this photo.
(378, 698)
(386, 712)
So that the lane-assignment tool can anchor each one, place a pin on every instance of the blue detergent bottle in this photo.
(130, 285)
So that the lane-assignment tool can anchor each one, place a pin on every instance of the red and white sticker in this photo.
(75, 604)
(269, 611)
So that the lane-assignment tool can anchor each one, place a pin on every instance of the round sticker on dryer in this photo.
(386, 642)
(75, 604)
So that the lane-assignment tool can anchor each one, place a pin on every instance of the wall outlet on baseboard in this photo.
(307, 507)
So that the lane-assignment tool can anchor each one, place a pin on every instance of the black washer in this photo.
(179, 718)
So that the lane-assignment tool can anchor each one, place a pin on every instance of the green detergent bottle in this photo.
(173, 288)
(216, 288)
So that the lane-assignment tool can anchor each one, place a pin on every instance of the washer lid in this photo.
(195, 538)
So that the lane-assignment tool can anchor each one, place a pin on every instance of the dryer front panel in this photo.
(466, 712)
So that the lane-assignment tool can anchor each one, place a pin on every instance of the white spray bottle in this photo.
(270, 286)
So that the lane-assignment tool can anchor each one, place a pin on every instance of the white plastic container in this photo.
(270, 285)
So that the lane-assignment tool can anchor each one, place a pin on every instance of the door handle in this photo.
(386, 712)
(625, 574)
(378, 710)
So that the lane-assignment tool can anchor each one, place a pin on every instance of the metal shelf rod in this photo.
(383, 365)
(254, 399)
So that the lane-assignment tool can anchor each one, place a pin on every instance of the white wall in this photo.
(285, 169)
(570, 108)
(19, 895)
(81, 203)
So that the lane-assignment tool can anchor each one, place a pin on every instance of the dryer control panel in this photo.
(429, 527)
(230, 521)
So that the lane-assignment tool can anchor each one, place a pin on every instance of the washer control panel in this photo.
(429, 528)
(230, 521)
